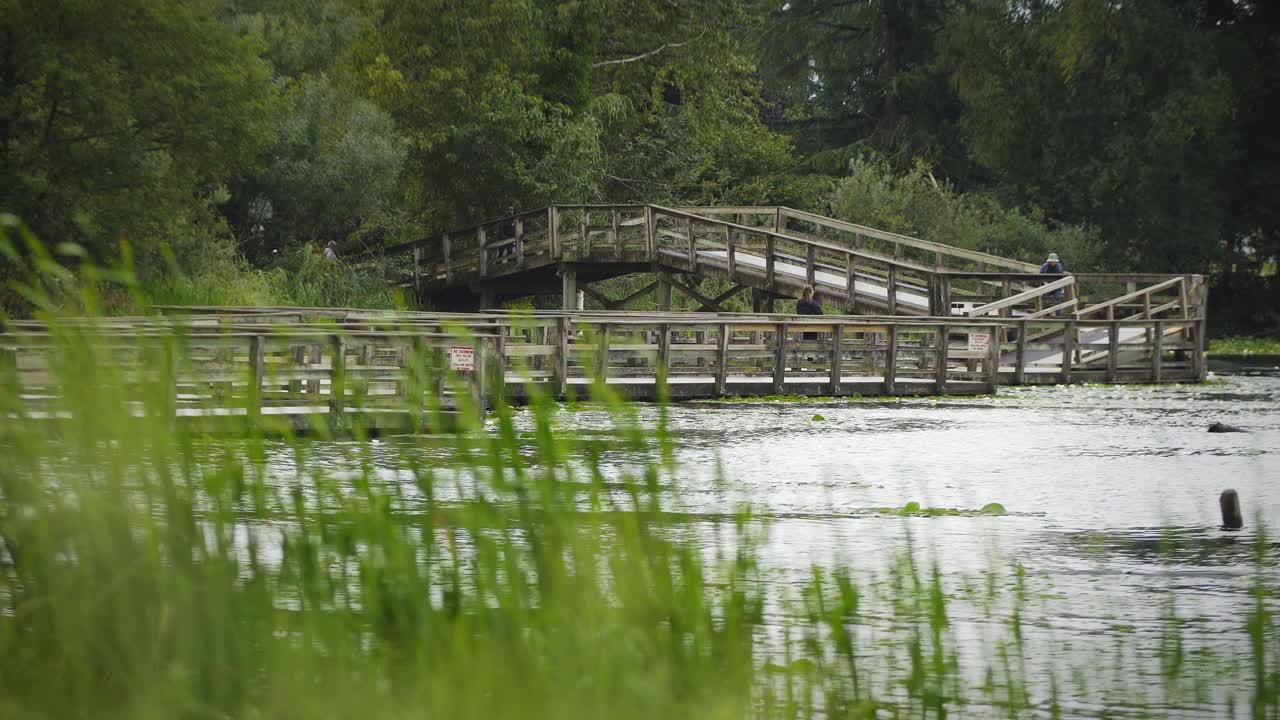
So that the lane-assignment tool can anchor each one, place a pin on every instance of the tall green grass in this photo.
(505, 570)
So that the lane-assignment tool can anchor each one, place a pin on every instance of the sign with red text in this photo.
(979, 342)
(462, 359)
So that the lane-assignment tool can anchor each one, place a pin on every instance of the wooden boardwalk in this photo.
(294, 368)
(770, 251)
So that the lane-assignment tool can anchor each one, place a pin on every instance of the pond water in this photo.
(1111, 495)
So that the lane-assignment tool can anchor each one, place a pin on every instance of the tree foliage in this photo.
(125, 117)
(1134, 135)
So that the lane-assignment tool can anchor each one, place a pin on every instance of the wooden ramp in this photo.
(771, 251)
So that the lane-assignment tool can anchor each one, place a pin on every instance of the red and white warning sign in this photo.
(979, 342)
(462, 359)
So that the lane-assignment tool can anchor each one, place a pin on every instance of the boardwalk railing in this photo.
(331, 366)
(776, 250)
(924, 253)
(675, 240)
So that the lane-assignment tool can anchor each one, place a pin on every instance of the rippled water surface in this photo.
(1111, 493)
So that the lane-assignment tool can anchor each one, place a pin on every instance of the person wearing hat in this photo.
(331, 250)
(1053, 266)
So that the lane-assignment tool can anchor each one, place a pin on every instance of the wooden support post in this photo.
(692, 243)
(417, 269)
(316, 355)
(779, 221)
(1020, 365)
(1006, 291)
(337, 379)
(401, 387)
(779, 357)
(942, 341)
(664, 293)
(851, 283)
(519, 242)
(1198, 368)
(299, 354)
(768, 262)
(664, 355)
(1068, 349)
(730, 252)
(722, 360)
(568, 289)
(810, 265)
(498, 375)
(584, 235)
(891, 360)
(892, 290)
(448, 258)
(937, 260)
(897, 251)
(1113, 350)
(480, 350)
(837, 359)
(439, 365)
(257, 367)
(993, 360)
(368, 350)
(615, 231)
(1157, 353)
(482, 241)
(650, 233)
(946, 295)
(602, 354)
(564, 328)
(553, 231)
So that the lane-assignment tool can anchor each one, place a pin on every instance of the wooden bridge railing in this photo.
(1095, 295)
(902, 247)
(893, 270)
(923, 253)
(779, 250)
(319, 365)
(756, 256)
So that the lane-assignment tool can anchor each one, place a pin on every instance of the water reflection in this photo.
(1111, 495)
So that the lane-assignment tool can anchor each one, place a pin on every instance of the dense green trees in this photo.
(125, 117)
(1136, 134)
(1142, 121)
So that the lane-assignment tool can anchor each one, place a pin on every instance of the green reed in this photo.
(502, 570)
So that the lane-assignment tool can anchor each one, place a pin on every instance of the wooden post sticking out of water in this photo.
(1229, 502)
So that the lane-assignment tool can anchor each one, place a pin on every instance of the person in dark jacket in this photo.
(806, 305)
(1053, 266)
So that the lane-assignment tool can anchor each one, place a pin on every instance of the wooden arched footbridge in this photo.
(771, 252)
(919, 318)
